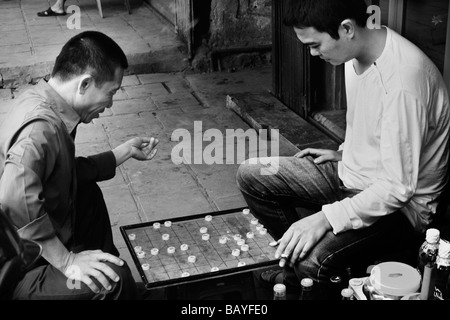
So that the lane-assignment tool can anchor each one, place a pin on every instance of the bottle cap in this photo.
(433, 235)
(347, 293)
(395, 279)
(307, 282)
(279, 288)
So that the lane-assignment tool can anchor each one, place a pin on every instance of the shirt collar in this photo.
(65, 111)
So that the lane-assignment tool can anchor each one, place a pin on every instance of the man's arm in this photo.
(404, 126)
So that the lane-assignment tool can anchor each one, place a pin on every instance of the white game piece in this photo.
(145, 266)
(273, 243)
(185, 274)
(246, 211)
(263, 231)
(240, 242)
(141, 254)
(137, 249)
(156, 225)
(259, 227)
(203, 230)
(223, 240)
(254, 221)
(237, 237)
(154, 251)
(208, 218)
(184, 247)
(205, 236)
(192, 259)
(132, 236)
(236, 252)
(245, 247)
(214, 269)
(165, 237)
(250, 235)
(171, 250)
(241, 264)
(168, 224)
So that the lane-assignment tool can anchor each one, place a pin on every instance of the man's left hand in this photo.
(301, 238)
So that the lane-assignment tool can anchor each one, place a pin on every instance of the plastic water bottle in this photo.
(428, 253)
(307, 285)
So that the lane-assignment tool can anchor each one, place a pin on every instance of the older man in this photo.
(50, 195)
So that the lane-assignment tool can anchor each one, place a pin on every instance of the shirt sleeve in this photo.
(96, 168)
(403, 126)
(29, 162)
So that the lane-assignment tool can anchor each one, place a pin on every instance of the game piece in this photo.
(241, 264)
(184, 247)
(154, 251)
(237, 237)
(171, 250)
(250, 235)
(168, 224)
(263, 231)
(240, 242)
(214, 269)
(273, 243)
(254, 221)
(141, 254)
(185, 274)
(223, 240)
(137, 249)
(259, 227)
(245, 247)
(156, 225)
(145, 266)
(236, 252)
(208, 218)
(205, 236)
(132, 236)
(246, 211)
(203, 230)
(165, 237)
(192, 259)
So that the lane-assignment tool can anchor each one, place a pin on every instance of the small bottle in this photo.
(279, 292)
(337, 284)
(307, 285)
(443, 271)
(347, 294)
(428, 253)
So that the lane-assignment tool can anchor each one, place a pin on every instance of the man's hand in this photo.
(301, 237)
(86, 265)
(321, 155)
(142, 149)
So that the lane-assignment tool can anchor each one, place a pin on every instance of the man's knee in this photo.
(249, 172)
(125, 288)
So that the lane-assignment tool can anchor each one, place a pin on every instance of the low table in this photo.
(220, 247)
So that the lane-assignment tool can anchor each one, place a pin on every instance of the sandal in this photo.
(50, 13)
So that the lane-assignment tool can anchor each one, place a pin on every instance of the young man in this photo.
(374, 195)
(51, 196)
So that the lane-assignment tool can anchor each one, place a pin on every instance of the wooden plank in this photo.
(265, 111)
(447, 53)
(396, 13)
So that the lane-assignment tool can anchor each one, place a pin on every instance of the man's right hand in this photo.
(321, 155)
(90, 264)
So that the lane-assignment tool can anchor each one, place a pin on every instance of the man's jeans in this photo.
(299, 188)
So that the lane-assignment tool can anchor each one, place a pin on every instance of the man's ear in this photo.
(347, 29)
(85, 82)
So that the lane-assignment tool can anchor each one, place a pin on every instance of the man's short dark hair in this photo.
(93, 52)
(325, 15)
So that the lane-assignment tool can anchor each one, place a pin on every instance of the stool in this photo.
(99, 5)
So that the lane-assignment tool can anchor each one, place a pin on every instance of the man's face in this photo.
(96, 99)
(321, 44)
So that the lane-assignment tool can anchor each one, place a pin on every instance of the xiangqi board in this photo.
(178, 250)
